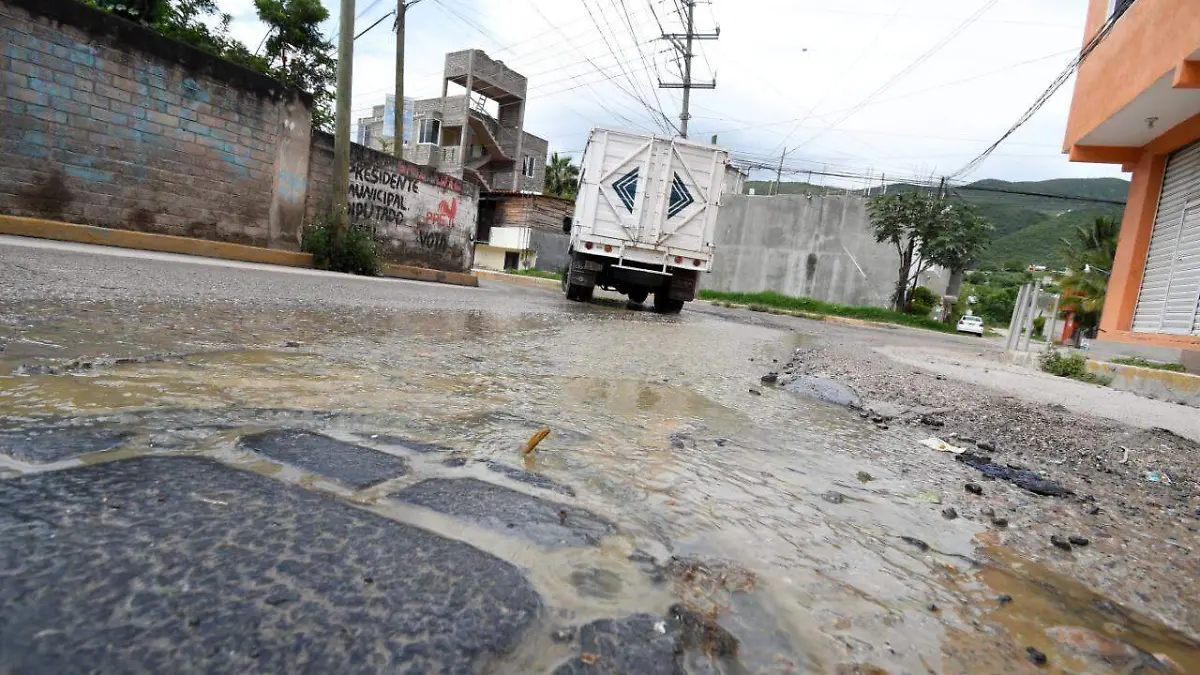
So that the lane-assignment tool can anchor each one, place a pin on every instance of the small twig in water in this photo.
(533, 441)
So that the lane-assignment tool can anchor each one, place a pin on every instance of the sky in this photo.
(898, 89)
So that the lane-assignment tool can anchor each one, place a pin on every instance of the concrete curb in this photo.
(1163, 385)
(517, 279)
(145, 241)
(827, 318)
(426, 274)
(167, 243)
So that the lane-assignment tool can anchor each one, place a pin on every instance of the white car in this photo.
(970, 324)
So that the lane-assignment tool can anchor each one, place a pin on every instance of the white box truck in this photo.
(644, 217)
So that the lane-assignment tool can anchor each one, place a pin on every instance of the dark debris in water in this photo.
(1022, 478)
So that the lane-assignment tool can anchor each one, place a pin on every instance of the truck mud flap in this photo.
(581, 277)
(683, 285)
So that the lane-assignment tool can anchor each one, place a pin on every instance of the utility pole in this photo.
(779, 172)
(401, 16)
(685, 50)
(341, 124)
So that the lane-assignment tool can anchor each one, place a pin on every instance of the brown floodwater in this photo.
(654, 424)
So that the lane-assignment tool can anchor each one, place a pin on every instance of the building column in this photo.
(1125, 281)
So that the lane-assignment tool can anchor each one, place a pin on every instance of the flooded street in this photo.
(672, 477)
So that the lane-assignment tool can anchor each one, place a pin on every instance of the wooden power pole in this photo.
(341, 124)
(683, 44)
(401, 17)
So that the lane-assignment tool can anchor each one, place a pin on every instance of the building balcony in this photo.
(1139, 82)
(488, 76)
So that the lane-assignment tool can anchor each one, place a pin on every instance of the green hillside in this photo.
(1028, 226)
(1040, 243)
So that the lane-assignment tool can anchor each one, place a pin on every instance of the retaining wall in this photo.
(104, 122)
(816, 247)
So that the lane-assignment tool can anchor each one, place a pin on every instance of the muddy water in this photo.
(653, 423)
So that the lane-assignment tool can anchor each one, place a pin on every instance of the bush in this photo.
(1073, 366)
(352, 251)
(1039, 325)
(922, 301)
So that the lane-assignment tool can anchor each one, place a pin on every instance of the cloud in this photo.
(898, 87)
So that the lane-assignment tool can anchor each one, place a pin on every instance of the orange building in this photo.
(1137, 104)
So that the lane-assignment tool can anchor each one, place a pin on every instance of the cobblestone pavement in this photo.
(214, 467)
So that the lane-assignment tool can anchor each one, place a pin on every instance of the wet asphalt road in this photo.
(291, 471)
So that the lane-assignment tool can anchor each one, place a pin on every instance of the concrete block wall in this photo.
(819, 247)
(416, 215)
(107, 123)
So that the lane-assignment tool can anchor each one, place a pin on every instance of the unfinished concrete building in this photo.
(479, 135)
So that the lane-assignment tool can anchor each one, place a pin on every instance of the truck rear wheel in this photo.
(663, 304)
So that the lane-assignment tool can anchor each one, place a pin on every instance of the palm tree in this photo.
(1089, 255)
(562, 177)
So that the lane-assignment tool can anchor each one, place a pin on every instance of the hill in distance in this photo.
(1030, 217)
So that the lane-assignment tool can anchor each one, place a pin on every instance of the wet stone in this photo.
(508, 511)
(949, 513)
(1077, 540)
(834, 497)
(206, 568)
(642, 643)
(973, 488)
(1104, 651)
(823, 389)
(405, 443)
(353, 465)
(1060, 542)
(1035, 656)
(596, 583)
(529, 478)
(56, 443)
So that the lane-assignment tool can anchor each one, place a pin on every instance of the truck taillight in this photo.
(678, 259)
(588, 245)
(696, 263)
(608, 248)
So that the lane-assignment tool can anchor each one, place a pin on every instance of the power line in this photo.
(1045, 95)
(654, 113)
(909, 68)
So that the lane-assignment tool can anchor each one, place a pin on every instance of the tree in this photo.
(1089, 255)
(562, 177)
(966, 236)
(296, 51)
(926, 230)
(298, 54)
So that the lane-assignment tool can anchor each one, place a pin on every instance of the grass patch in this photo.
(540, 274)
(1143, 363)
(1073, 366)
(767, 301)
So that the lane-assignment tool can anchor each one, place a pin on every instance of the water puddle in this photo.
(688, 463)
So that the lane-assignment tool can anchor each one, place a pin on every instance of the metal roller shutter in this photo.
(1170, 293)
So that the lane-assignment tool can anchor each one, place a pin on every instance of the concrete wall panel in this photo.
(818, 247)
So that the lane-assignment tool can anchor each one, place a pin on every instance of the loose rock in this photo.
(973, 488)
(770, 378)
(986, 446)
(913, 541)
(1000, 522)
(864, 477)
(1059, 542)
(1035, 656)
(1077, 540)
(834, 497)
(949, 513)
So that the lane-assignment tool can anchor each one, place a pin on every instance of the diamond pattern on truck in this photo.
(680, 197)
(626, 188)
